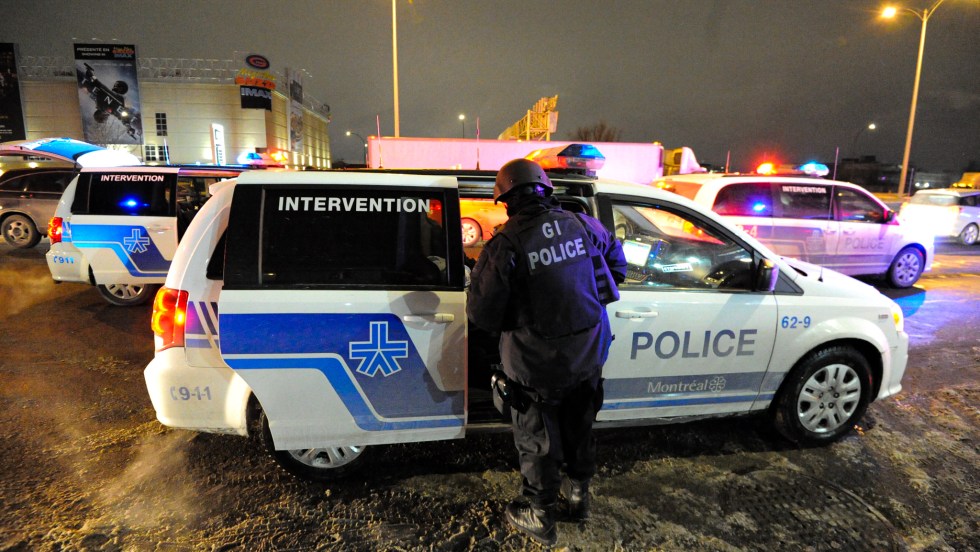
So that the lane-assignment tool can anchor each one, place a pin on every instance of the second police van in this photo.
(325, 312)
(118, 228)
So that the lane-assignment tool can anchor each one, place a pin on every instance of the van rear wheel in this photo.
(315, 464)
(127, 295)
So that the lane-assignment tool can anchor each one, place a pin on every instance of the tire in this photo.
(906, 268)
(128, 295)
(318, 464)
(823, 396)
(472, 232)
(20, 232)
(969, 235)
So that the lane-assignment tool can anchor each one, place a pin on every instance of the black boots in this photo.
(577, 495)
(538, 522)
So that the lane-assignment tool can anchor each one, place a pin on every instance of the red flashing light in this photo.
(766, 168)
(169, 317)
(54, 229)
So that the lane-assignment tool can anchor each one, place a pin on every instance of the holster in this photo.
(507, 394)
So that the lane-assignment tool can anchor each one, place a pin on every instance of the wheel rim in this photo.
(471, 233)
(829, 398)
(970, 234)
(18, 232)
(907, 268)
(126, 292)
(326, 458)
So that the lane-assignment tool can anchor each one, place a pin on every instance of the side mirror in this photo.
(889, 216)
(766, 275)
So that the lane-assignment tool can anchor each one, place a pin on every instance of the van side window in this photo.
(853, 206)
(353, 237)
(666, 248)
(752, 199)
(804, 201)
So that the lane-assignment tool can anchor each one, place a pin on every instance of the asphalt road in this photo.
(87, 467)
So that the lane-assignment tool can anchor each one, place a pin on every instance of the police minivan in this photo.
(829, 223)
(325, 312)
(118, 228)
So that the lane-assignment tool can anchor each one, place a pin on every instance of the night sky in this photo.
(793, 79)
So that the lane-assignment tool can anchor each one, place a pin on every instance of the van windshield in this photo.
(933, 199)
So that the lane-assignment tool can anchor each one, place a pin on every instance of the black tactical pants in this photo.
(554, 433)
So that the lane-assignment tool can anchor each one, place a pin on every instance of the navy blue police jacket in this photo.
(543, 282)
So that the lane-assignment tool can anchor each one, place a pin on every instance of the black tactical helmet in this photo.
(517, 173)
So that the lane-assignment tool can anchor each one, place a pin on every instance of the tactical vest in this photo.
(557, 261)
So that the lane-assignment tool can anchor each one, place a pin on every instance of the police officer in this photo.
(543, 282)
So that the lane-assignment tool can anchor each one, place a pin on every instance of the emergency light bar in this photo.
(584, 158)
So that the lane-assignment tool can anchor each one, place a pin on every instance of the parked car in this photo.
(946, 212)
(829, 223)
(28, 198)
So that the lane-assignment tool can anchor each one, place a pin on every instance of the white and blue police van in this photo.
(830, 223)
(117, 228)
(325, 313)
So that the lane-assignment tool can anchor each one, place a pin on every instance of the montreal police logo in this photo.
(136, 243)
(378, 354)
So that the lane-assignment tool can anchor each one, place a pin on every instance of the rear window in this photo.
(373, 238)
(126, 194)
(934, 199)
(750, 199)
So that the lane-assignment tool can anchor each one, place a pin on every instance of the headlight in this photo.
(898, 318)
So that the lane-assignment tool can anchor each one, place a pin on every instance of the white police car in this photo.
(117, 228)
(826, 222)
(326, 312)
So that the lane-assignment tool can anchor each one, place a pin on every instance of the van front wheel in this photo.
(127, 295)
(824, 396)
(906, 268)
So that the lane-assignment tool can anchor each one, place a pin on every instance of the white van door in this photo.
(124, 222)
(803, 225)
(343, 306)
(691, 338)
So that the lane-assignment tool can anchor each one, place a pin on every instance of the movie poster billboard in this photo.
(11, 110)
(108, 93)
(256, 83)
(295, 112)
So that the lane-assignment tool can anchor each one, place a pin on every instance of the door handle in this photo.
(635, 315)
(437, 317)
(158, 229)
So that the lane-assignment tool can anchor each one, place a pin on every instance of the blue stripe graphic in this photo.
(131, 244)
(340, 379)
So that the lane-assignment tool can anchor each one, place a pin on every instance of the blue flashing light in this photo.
(130, 203)
(814, 168)
(759, 207)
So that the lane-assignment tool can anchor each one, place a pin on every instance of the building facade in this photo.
(186, 104)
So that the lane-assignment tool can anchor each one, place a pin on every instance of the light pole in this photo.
(889, 13)
(394, 60)
(363, 142)
(462, 120)
(871, 126)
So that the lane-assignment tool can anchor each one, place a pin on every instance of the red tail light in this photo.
(54, 229)
(169, 316)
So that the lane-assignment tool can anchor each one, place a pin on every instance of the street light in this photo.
(462, 119)
(363, 141)
(871, 126)
(888, 13)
